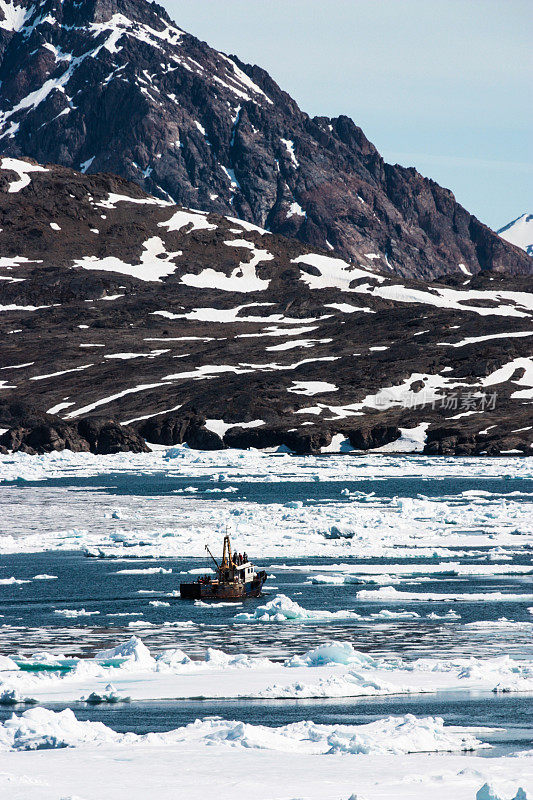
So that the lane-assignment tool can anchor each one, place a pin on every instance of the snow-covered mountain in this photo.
(520, 232)
(115, 86)
(202, 328)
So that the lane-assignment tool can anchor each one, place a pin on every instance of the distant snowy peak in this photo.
(520, 232)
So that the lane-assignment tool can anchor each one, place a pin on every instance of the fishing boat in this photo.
(235, 579)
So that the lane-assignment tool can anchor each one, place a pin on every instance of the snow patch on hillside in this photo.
(332, 272)
(182, 218)
(242, 279)
(155, 263)
(22, 168)
(14, 15)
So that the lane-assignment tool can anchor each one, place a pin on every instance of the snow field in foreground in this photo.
(242, 762)
(333, 669)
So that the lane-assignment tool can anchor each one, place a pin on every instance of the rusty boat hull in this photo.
(214, 590)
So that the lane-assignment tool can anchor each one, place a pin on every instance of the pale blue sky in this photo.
(442, 85)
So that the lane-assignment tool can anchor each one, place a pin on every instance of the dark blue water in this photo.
(287, 491)
(29, 620)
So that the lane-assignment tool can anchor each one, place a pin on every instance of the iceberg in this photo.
(282, 609)
(132, 653)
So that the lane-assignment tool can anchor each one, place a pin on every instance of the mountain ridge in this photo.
(125, 318)
(115, 86)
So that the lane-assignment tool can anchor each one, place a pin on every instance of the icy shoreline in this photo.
(244, 464)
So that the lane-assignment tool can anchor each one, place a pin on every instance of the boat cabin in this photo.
(245, 572)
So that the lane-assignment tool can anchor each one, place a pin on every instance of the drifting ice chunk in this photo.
(144, 571)
(488, 793)
(71, 613)
(282, 609)
(11, 697)
(328, 580)
(110, 695)
(331, 653)
(131, 652)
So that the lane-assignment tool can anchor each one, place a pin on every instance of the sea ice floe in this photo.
(198, 571)
(73, 612)
(386, 614)
(389, 593)
(362, 525)
(144, 571)
(450, 614)
(333, 669)
(40, 728)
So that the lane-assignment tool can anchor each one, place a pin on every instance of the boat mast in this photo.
(212, 556)
(226, 562)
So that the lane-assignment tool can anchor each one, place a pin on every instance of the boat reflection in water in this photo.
(235, 579)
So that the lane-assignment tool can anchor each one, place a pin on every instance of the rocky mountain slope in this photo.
(520, 232)
(115, 86)
(124, 318)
